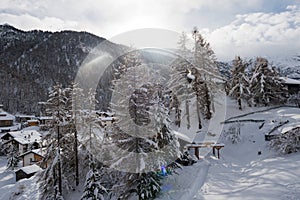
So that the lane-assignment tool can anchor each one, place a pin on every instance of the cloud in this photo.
(235, 27)
(27, 22)
(111, 17)
(258, 34)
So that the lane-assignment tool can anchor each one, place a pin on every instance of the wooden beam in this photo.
(197, 152)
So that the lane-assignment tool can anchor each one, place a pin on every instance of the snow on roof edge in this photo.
(30, 169)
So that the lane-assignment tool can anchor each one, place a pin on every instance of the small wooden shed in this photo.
(27, 172)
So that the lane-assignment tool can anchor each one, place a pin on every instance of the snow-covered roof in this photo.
(30, 169)
(32, 120)
(45, 118)
(107, 118)
(290, 81)
(11, 128)
(24, 116)
(25, 137)
(6, 116)
(39, 151)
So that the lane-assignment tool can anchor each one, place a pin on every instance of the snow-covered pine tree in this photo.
(183, 50)
(204, 62)
(93, 189)
(265, 84)
(51, 177)
(239, 82)
(91, 140)
(91, 124)
(203, 96)
(204, 57)
(12, 157)
(75, 107)
(68, 158)
(287, 142)
(180, 85)
(143, 186)
(128, 140)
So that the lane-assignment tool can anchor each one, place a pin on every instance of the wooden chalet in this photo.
(22, 140)
(34, 156)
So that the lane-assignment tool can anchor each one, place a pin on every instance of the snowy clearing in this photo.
(242, 173)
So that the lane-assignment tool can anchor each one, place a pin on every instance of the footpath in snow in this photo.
(186, 183)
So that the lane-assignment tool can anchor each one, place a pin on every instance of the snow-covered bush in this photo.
(287, 142)
(2, 149)
(185, 159)
(13, 158)
(239, 82)
(93, 188)
(233, 134)
(141, 186)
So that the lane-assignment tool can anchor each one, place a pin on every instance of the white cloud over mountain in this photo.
(247, 28)
(259, 34)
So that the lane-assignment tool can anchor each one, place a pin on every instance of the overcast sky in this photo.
(233, 27)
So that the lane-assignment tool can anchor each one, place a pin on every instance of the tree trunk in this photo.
(187, 113)
(240, 103)
(198, 115)
(76, 159)
(58, 163)
(207, 102)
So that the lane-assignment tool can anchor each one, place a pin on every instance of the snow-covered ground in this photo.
(184, 185)
(6, 177)
(242, 173)
(25, 189)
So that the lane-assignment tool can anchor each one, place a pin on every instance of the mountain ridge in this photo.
(31, 62)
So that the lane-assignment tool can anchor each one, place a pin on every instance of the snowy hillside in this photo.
(289, 66)
(33, 61)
